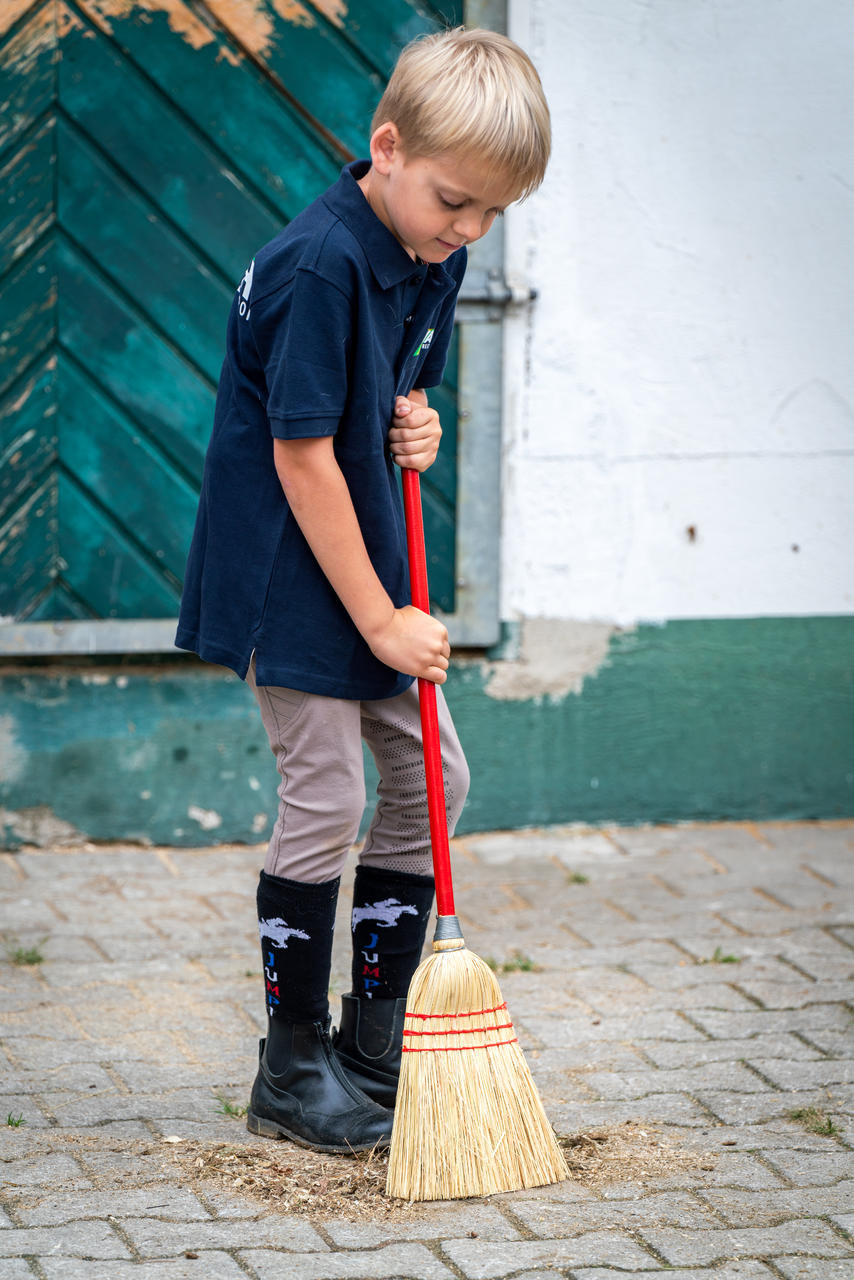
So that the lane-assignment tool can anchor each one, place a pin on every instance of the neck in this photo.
(369, 187)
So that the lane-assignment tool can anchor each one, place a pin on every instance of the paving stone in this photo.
(732, 1270)
(394, 1262)
(69, 1077)
(216, 1129)
(159, 1202)
(766, 1137)
(752, 921)
(684, 975)
(765, 1047)
(820, 966)
(567, 846)
(434, 1223)
(23, 1104)
(804, 1075)
(747, 1108)
(484, 1261)
(142, 1165)
(608, 1055)
(544, 1275)
(845, 1221)
(16, 1269)
(227, 1204)
(766, 1208)
(210, 1265)
(184, 1104)
(39, 1051)
(671, 1209)
(567, 1193)
(719, 995)
(813, 1168)
(794, 995)
(724, 1169)
(815, 1268)
(147, 1076)
(91, 1239)
(640, 1084)
(805, 839)
(803, 1235)
(569, 1117)
(653, 951)
(157, 1239)
(631, 1029)
(60, 1173)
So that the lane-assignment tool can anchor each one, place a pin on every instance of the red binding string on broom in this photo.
(462, 1031)
(456, 1048)
(475, 1014)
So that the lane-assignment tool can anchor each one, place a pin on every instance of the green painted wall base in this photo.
(687, 720)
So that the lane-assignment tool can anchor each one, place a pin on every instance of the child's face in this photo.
(433, 206)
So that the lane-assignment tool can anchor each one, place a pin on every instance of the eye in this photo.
(450, 204)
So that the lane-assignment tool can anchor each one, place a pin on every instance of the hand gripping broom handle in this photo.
(427, 701)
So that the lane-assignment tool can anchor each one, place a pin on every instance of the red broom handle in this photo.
(427, 701)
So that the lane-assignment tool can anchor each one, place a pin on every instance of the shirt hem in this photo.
(217, 654)
(302, 428)
(308, 682)
(267, 673)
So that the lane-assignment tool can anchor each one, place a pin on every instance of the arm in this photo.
(405, 639)
(414, 437)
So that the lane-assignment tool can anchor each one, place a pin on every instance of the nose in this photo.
(470, 225)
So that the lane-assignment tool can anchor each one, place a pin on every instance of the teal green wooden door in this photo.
(147, 149)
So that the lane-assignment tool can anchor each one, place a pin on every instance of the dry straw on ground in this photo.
(279, 1177)
(289, 1179)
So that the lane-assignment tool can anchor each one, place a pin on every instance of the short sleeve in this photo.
(434, 366)
(302, 334)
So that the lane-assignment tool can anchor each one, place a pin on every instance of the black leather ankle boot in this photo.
(301, 1092)
(369, 1045)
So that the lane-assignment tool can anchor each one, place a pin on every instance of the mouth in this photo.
(446, 245)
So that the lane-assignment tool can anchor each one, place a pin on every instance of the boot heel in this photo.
(264, 1128)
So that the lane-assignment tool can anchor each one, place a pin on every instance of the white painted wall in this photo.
(690, 358)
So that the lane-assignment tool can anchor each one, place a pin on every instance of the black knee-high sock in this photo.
(295, 921)
(389, 921)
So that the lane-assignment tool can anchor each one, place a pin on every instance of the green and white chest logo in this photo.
(424, 344)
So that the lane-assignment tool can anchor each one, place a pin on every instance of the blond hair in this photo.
(473, 94)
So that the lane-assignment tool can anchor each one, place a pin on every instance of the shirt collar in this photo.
(387, 258)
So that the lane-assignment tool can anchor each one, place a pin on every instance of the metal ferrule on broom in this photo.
(468, 1119)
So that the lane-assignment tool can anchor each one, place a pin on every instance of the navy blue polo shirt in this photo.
(331, 322)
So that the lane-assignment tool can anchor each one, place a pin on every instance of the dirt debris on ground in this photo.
(284, 1178)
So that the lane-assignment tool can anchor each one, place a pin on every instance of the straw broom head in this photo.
(468, 1119)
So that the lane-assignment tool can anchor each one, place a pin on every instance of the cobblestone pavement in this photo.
(695, 981)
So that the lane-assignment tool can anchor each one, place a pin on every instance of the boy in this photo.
(297, 575)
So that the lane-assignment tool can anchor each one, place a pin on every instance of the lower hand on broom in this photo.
(414, 643)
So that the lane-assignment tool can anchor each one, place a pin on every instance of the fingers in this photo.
(416, 643)
(438, 673)
(415, 431)
(416, 445)
(436, 665)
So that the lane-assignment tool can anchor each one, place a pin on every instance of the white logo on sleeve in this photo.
(243, 289)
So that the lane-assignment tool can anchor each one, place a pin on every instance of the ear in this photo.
(385, 147)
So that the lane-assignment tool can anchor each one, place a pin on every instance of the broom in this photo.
(468, 1119)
